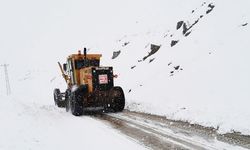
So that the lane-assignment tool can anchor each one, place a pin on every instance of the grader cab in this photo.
(89, 86)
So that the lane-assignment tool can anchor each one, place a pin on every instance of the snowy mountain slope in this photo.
(204, 78)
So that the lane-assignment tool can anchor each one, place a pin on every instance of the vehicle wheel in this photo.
(117, 98)
(67, 100)
(76, 104)
(58, 98)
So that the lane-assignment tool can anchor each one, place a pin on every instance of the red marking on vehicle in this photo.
(103, 79)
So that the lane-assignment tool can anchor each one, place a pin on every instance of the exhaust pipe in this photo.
(85, 52)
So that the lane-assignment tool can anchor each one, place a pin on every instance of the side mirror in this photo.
(64, 67)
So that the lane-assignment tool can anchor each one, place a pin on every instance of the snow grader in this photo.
(89, 85)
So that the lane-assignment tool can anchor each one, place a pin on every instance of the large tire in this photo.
(117, 98)
(67, 100)
(58, 98)
(76, 104)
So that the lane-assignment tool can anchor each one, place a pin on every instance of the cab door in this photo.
(71, 71)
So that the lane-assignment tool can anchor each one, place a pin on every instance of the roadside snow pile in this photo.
(196, 71)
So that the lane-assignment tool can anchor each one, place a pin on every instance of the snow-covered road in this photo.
(157, 132)
(34, 126)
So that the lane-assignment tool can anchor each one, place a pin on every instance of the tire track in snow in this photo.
(145, 133)
(155, 132)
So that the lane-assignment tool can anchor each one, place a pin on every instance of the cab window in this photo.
(86, 63)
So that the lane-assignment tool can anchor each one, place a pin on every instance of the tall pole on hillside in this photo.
(8, 90)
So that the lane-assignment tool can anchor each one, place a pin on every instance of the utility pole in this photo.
(8, 90)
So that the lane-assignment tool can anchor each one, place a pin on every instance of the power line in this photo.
(8, 90)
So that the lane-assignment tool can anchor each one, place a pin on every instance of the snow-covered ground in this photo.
(36, 126)
(210, 87)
